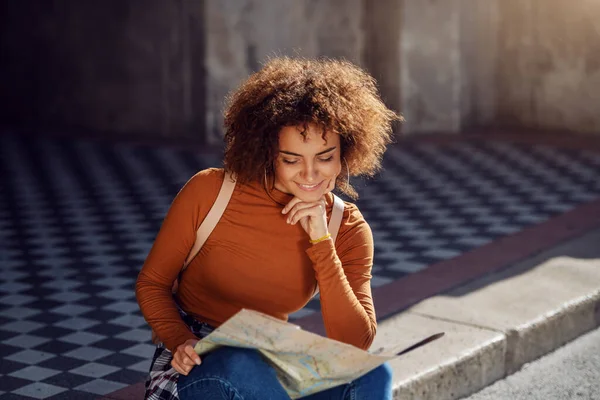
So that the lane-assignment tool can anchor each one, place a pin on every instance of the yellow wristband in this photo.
(321, 239)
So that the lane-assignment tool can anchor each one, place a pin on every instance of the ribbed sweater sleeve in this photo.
(344, 276)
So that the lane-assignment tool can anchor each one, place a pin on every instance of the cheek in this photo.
(284, 172)
(334, 169)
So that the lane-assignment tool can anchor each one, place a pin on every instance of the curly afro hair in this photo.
(335, 95)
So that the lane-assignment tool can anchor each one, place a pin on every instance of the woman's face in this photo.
(307, 166)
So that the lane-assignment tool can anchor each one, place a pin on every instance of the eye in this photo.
(326, 159)
(289, 161)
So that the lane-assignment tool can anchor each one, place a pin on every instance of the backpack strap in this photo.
(206, 227)
(212, 218)
(336, 217)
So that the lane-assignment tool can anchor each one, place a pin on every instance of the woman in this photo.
(295, 130)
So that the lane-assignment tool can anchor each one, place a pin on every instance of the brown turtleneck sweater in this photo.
(253, 259)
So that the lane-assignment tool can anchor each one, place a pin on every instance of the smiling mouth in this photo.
(309, 188)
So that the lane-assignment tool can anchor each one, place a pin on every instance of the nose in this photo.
(309, 173)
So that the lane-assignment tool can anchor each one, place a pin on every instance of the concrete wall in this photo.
(454, 65)
(164, 68)
(118, 67)
(381, 55)
(549, 65)
(430, 72)
(479, 23)
(240, 34)
(435, 61)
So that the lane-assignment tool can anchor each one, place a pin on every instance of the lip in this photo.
(311, 188)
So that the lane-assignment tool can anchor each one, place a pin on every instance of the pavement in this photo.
(571, 372)
(492, 239)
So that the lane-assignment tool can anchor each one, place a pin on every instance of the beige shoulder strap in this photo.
(213, 217)
(336, 217)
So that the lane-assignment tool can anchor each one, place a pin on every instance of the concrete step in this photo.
(496, 324)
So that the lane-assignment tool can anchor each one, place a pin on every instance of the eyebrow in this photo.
(300, 155)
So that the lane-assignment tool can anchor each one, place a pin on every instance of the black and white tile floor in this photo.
(77, 219)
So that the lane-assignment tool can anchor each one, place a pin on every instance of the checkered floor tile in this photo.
(77, 219)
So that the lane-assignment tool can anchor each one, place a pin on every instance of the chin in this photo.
(308, 197)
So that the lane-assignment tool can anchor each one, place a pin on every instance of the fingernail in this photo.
(198, 361)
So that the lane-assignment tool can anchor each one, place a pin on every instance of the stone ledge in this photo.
(527, 313)
(465, 357)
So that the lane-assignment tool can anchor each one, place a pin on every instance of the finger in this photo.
(182, 358)
(314, 211)
(305, 204)
(185, 361)
(291, 204)
(179, 368)
(177, 360)
(296, 208)
(191, 355)
(317, 208)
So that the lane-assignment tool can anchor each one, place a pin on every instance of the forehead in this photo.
(292, 139)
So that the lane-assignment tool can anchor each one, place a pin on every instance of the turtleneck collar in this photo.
(278, 196)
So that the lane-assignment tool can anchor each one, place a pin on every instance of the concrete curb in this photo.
(532, 341)
(510, 320)
(465, 357)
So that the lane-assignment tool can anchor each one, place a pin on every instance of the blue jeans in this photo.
(243, 374)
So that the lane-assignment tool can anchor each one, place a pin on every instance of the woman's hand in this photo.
(185, 358)
(311, 215)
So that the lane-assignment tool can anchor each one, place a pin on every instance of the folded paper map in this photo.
(305, 362)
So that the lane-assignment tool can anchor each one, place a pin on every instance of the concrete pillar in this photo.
(383, 34)
(240, 34)
(447, 68)
(413, 50)
(549, 65)
(479, 25)
(516, 54)
(430, 73)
